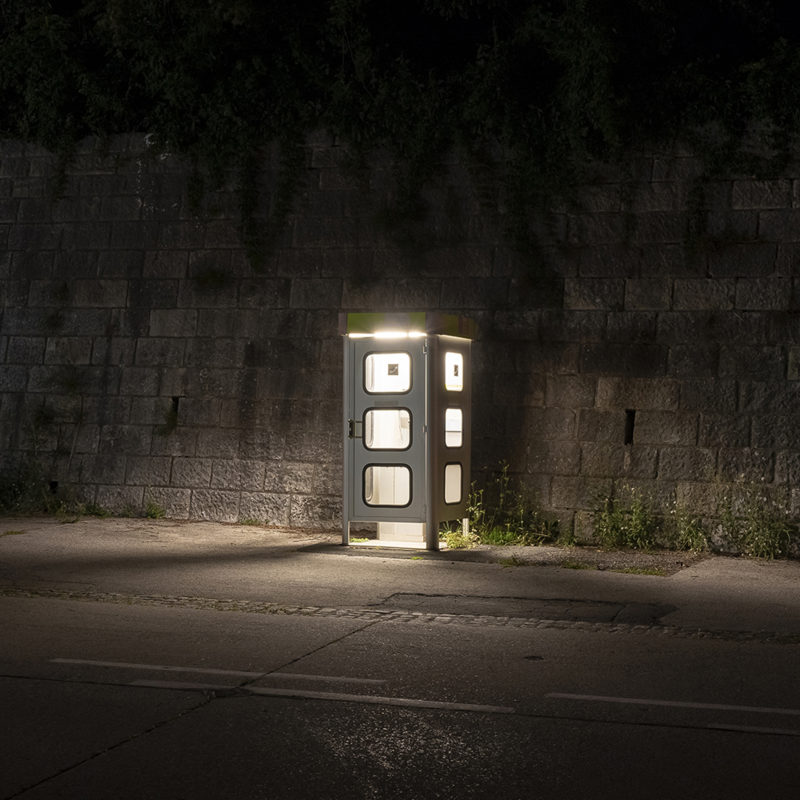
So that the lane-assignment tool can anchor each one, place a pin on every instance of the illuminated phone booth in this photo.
(407, 399)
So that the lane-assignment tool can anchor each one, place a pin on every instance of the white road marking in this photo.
(795, 712)
(323, 678)
(210, 671)
(187, 686)
(157, 667)
(405, 702)
(719, 726)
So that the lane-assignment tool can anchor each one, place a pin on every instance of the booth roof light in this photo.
(388, 335)
(402, 325)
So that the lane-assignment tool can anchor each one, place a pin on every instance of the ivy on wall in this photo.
(535, 89)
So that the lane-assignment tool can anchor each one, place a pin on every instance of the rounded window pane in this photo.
(453, 427)
(387, 485)
(387, 373)
(452, 483)
(387, 429)
(453, 372)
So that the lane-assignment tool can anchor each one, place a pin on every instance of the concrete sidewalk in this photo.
(182, 561)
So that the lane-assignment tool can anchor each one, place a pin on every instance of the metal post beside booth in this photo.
(407, 420)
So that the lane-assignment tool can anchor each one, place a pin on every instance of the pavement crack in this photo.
(311, 652)
(206, 698)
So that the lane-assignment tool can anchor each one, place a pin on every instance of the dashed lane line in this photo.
(642, 701)
(234, 673)
(341, 697)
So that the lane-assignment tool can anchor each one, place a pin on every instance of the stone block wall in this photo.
(651, 337)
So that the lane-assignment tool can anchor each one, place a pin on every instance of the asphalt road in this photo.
(156, 661)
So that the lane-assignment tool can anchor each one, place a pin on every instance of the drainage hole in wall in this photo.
(630, 421)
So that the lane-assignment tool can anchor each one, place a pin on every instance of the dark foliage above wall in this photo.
(536, 89)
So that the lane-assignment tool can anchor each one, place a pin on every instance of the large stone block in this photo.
(696, 360)
(316, 293)
(126, 439)
(759, 397)
(753, 363)
(686, 464)
(746, 464)
(13, 379)
(140, 381)
(570, 391)
(99, 293)
(308, 511)
(781, 225)
(762, 194)
(594, 294)
(594, 229)
(289, 477)
(648, 294)
(724, 430)
(556, 325)
(608, 460)
(264, 293)
(666, 428)
(775, 431)
(659, 227)
(174, 503)
(701, 294)
(191, 473)
(180, 442)
(637, 393)
(174, 322)
(245, 475)
(635, 359)
(718, 396)
(595, 425)
(543, 424)
(148, 470)
(214, 504)
(579, 492)
(764, 294)
(218, 443)
(233, 323)
(554, 458)
(631, 326)
(120, 499)
(265, 508)
(153, 293)
(753, 259)
(106, 468)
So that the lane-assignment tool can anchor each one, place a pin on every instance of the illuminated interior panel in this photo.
(387, 429)
(452, 483)
(453, 372)
(387, 373)
(453, 427)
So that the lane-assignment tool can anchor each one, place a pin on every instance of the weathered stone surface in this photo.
(637, 393)
(650, 338)
(686, 464)
(666, 428)
(214, 504)
(265, 508)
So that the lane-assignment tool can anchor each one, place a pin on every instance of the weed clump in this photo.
(754, 522)
(751, 521)
(626, 521)
(500, 513)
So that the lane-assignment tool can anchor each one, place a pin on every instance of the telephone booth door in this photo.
(385, 434)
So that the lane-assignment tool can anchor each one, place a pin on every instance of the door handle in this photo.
(353, 429)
